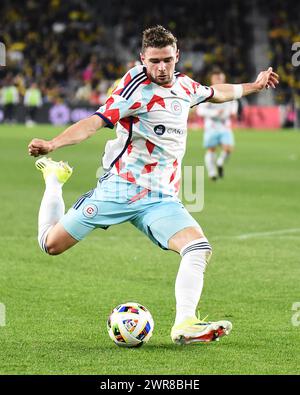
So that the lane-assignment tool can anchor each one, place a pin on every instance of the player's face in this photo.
(218, 78)
(160, 63)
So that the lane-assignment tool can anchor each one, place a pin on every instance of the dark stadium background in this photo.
(75, 50)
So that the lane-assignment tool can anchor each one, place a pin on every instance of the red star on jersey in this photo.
(150, 146)
(128, 176)
(112, 115)
(135, 105)
(149, 168)
(156, 100)
(109, 102)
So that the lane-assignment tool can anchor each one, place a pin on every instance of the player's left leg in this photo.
(210, 143)
(210, 163)
(222, 158)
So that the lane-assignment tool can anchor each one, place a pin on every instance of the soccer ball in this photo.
(130, 325)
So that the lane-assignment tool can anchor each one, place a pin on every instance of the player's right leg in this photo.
(58, 240)
(52, 237)
(227, 144)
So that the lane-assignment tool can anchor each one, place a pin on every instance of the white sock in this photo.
(189, 281)
(222, 158)
(51, 210)
(210, 163)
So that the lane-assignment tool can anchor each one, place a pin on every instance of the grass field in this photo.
(56, 307)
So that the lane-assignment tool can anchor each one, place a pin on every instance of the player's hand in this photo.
(267, 79)
(39, 147)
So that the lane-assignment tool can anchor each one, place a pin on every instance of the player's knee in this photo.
(53, 249)
(198, 248)
(50, 248)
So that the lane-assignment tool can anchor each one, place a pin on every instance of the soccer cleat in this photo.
(61, 169)
(220, 171)
(193, 330)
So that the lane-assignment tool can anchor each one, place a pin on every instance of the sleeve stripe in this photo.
(130, 83)
(134, 87)
(106, 120)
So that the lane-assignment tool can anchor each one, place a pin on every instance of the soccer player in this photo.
(141, 183)
(217, 129)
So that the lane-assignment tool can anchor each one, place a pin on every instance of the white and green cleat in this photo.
(61, 169)
(193, 330)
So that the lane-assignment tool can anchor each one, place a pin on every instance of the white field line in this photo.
(245, 236)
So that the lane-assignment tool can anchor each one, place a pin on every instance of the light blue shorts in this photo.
(115, 200)
(213, 139)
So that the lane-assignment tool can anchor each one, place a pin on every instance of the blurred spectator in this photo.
(32, 101)
(83, 93)
(9, 100)
(290, 117)
(89, 71)
(284, 30)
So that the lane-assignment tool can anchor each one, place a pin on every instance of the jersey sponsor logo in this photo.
(175, 131)
(176, 107)
(90, 210)
(159, 130)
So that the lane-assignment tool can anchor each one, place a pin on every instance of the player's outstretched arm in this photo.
(227, 92)
(74, 134)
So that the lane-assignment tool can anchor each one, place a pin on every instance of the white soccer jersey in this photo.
(217, 116)
(151, 128)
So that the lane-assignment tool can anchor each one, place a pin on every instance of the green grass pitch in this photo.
(56, 307)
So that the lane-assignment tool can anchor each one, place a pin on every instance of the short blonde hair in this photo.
(158, 37)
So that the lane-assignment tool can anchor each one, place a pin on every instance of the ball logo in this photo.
(159, 130)
(90, 211)
(130, 324)
(176, 107)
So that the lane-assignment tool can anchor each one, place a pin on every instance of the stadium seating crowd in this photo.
(284, 30)
(74, 50)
